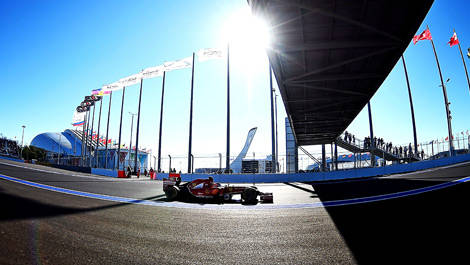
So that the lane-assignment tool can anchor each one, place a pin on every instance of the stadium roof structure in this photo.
(329, 57)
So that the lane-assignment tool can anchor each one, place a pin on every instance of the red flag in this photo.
(453, 40)
(426, 35)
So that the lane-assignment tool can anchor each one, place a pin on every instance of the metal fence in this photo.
(216, 162)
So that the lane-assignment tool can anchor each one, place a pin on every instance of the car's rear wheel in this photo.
(249, 195)
(172, 193)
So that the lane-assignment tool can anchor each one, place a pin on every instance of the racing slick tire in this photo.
(172, 193)
(250, 195)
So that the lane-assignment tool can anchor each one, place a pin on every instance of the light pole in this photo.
(22, 137)
(220, 161)
(130, 142)
(169, 166)
(449, 117)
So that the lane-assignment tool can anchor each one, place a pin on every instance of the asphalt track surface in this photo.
(427, 222)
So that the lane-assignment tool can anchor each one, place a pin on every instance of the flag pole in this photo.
(137, 131)
(161, 122)
(464, 65)
(91, 140)
(120, 128)
(191, 118)
(446, 102)
(411, 105)
(227, 154)
(86, 132)
(98, 138)
(107, 131)
(83, 138)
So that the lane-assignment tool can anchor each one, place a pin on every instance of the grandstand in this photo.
(9, 148)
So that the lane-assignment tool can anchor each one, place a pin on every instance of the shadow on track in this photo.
(431, 226)
(17, 208)
(302, 188)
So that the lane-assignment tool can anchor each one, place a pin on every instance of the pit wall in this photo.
(326, 176)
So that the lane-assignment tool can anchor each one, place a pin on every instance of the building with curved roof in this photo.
(65, 143)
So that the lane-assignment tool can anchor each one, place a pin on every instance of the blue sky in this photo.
(390, 106)
(53, 53)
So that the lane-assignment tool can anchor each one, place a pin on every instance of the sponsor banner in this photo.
(209, 54)
(152, 72)
(156, 71)
(179, 64)
(107, 89)
(130, 80)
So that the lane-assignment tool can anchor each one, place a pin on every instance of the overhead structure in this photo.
(330, 57)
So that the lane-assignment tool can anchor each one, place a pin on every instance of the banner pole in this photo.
(273, 146)
(107, 132)
(277, 147)
(227, 154)
(98, 138)
(91, 140)
(161, 123)
(137, 132)
(86, 134)
(191, 118)
(120, 129)
(83, 138)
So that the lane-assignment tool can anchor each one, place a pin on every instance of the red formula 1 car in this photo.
(208, 189)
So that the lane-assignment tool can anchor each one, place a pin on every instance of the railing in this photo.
(311, 157)
(428, 150)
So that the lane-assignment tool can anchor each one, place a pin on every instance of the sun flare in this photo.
(248, 37)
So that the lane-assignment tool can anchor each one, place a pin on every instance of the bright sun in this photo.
(248, 36)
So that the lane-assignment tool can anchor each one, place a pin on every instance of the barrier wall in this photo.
(73, 168)
(104, 172)
(11, 159)
(326, 176)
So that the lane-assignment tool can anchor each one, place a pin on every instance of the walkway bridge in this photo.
(358, 147)
(329, 57)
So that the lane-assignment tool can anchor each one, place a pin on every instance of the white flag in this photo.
(179, 64)
(78, 118)
(130, 80)
(152, 72)
(209, 54)
(108, 88)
